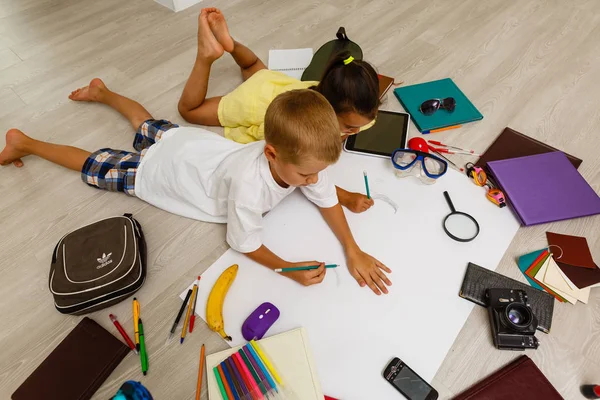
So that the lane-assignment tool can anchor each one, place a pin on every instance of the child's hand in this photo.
(308, 277)
(368, 271)
(356, 202)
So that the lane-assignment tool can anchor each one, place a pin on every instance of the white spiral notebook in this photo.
(291, 356)
(291, 62)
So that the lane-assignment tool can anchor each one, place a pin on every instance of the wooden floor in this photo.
(530, 64)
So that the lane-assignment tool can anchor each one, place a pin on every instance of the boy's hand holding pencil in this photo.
(305, 277)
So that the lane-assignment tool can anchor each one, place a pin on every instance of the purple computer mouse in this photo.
(259, 322)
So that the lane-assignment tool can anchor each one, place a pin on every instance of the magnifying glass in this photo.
(458, 225)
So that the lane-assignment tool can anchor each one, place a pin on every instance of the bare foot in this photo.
(14, 149)
(218, 26)
(208, 46)
(92, 92)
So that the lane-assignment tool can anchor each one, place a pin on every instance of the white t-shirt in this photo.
(198, 174)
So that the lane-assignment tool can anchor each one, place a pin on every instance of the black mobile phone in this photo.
(407, 382)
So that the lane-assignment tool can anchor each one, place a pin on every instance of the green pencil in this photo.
(367, 184)
(220, 383)
(304, 268)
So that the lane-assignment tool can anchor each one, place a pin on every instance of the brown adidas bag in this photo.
(98, 265)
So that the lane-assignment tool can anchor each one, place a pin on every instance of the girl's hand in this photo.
(368, 271)
(356, 202)
(307, 277)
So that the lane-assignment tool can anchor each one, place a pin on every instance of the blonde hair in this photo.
(301, 124)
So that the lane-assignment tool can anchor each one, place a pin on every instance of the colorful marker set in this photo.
(249, 375)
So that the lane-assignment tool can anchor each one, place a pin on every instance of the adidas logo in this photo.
(104, 260)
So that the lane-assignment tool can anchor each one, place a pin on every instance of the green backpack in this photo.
(321, 59)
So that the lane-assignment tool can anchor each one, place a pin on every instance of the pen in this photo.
(367, 184)
(143, 353)
(304, 268)
(136, 316)
(123, 333)
(179, 314)
(441, 129)
(193, 317)
(187, 315)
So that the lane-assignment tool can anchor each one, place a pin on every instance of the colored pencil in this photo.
(136, 317)
(187, 315)
(193, 317)
(304, 268)
(179, 314)
(229, 381)
(266, 360)
(200, 372)
(441, 129)
(220, 383)
(367, 185)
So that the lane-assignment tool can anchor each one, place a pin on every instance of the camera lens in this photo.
(515, 316)
(518, 316)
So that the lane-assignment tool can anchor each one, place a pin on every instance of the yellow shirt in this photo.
(242, 112)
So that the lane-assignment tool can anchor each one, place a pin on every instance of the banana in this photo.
(216, 298)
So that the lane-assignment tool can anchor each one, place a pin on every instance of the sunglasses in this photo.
(428, 107)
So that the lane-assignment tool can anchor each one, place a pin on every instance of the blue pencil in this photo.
(367, 184)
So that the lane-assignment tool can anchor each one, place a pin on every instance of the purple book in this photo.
(545, 188)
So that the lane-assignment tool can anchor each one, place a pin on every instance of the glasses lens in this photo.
(430, 106)
(449, 104)
(434, 167)
(403, 158)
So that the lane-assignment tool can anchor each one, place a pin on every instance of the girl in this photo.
(351, 87)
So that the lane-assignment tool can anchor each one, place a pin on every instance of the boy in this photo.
(198, 174)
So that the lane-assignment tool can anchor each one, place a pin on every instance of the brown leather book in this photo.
(76, 367)
(519, 380)
(513, 144)
(385, 83)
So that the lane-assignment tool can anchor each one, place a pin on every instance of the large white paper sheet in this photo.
(353, 332)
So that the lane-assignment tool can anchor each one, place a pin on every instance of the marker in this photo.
(123, 333)
(441, 129)
(367, 185)
(224, 381)
(265, 359)
(262, 366)
(220, 383)
(136, 316)
(304, 268)
(143, 354)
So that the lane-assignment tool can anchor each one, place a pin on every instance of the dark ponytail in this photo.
(352, 87)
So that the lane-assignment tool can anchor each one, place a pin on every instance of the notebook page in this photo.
(291, 62)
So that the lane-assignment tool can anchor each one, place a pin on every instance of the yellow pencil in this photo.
(136, 318)
(187, 315)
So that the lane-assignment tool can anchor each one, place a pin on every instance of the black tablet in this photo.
(388, 134)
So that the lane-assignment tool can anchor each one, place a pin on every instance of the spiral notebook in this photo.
(291, 62)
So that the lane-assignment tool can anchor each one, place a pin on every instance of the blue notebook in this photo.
(411, 97)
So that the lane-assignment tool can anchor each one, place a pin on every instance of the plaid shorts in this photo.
(115, 170)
